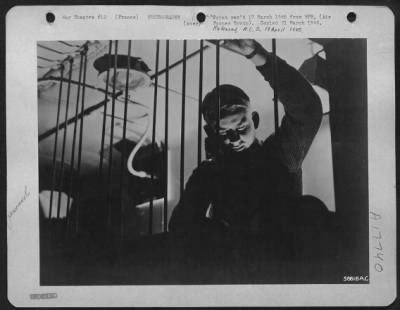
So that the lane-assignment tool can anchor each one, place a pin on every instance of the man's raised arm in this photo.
(303, 110)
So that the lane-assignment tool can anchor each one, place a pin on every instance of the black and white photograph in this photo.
(200, 156)
(203, 161)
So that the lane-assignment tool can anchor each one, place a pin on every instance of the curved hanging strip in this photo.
(142, 139)
(131, 169)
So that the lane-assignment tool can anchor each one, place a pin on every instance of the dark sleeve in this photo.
(303, 112)
(190, 212)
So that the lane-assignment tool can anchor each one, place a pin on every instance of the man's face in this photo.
(237, 131)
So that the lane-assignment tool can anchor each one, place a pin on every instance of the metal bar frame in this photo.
(85, 49)
(110, 154)
(74, 133)
(123, 155)
(153, 136)
(182, 161)
(199, 131)
(103, 130)
(275, 78)
(55, 144)
(165, 213)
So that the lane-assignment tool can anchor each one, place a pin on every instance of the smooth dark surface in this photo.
(347, 77)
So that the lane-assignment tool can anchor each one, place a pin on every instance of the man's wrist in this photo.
(258, 56)
(253, 53)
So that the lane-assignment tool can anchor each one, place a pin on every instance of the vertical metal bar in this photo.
(103, 131)
(80, 138)
(166, 134)
(217, 127)
(71, 60)
(153, 137)
(74, 133)
(182, 168)
(123, 154)
(53, 181)
(125, 110)
(199, 131)
(110, 155)
(275, 78)
(217, 56)
(64, 139)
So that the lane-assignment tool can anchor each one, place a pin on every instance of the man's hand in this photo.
(244, 47)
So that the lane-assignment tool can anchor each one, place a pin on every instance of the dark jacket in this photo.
(252, 190)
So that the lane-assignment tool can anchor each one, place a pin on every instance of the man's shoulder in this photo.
(271, 150)
(270, 144)
(206, 167)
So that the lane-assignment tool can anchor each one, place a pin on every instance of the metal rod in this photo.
(87, 111)
(132, 121)
(275, 78)
(218, 150)
(64, 141)
(53, 78)
(74, 133)
(165, 213)
(153, 137)
(217, 82)
(182, 168)
(110, 154)
(123, 155)
(55, 144)
(47, 59)
(125, 111)
(80, 140)
(177, 63)
(103, 131)
(200, 125)
(50, 49)
(178, 92)
(68, 44)
(67, 109)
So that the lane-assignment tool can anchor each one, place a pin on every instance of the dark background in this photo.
(8, 4)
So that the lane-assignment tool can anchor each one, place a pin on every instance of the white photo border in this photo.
(26, 25)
